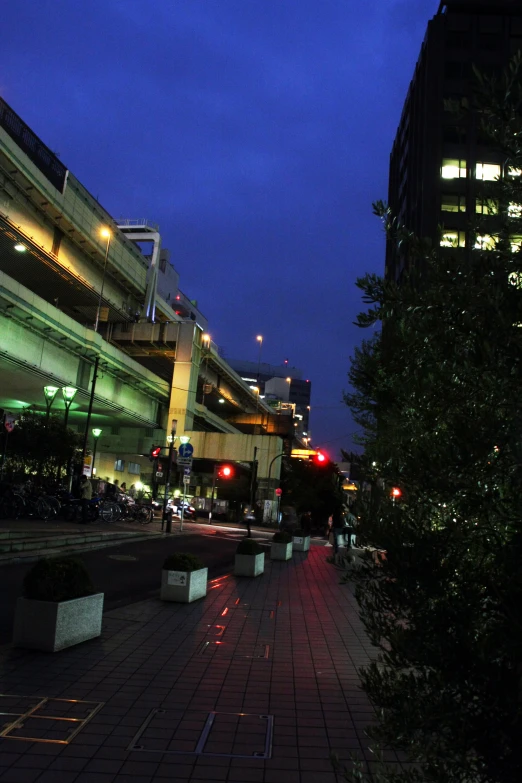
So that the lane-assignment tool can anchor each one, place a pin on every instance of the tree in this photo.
(313, 488)
(437, 393)
(38, 446)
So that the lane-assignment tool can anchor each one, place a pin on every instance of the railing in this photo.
(136, 222)
(51, 167)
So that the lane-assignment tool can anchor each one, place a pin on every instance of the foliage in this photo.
(311, 487)
(248, 546)
(437, 394)
(38, 446)
(57, 579)
(281, 537)
(182, 561)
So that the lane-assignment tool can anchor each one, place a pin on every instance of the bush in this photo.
(59, 579)
(281, 537)
(249, 547)
(183, 562)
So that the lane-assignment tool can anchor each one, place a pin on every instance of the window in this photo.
(453, 202)
(134, 467)
(485, 242)
(453, 168)
(119, 465)
(515, 278)
(515, 210)
(486, 206)
(487, 171)
(512, 172)
(453, 134)
(516, 242)
(453, 238)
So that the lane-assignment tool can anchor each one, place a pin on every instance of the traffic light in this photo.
(396, 493)
(225, 472)
(154, 453)
(319, 458)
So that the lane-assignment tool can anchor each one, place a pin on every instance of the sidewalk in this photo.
(275, 658)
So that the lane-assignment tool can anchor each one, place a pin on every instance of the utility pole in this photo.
(253, 481)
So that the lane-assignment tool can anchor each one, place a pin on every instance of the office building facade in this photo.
(441, 162)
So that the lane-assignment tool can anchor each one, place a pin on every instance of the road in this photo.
(127, 572)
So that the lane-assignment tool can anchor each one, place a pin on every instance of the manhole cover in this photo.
(125, 558)
(39, 719)
(234, 735)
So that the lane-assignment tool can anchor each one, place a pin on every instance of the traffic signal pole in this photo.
(167, 517)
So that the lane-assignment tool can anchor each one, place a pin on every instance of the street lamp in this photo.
(68, 393)
(206, 340)
(96, 432)
(259, 339)
(106, 234)
(50, 393)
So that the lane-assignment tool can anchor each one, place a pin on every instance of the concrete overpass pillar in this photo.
(185, 377)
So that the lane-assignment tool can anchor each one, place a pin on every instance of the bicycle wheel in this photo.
(144, 515)
(109, 511)
(44, 509)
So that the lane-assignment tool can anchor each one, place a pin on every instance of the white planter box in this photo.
(183, 586)
(54, 625)
(281, 551)
(249, 565)
(300, 543)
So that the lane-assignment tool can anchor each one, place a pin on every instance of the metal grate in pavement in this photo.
(42, 719)
(232, 735)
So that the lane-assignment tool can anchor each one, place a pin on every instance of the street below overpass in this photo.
(130, 572)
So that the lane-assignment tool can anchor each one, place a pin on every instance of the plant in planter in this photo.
(59, 607)
(281, 548)
(183, 578)
(300, 540)
(249, 559)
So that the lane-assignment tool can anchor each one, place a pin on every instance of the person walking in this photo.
(337, 528)
(85, 496)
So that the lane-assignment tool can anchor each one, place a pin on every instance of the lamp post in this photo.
(96, 432)
(68, 393)
(259, 339)
(50, 393)
(167, 518)
(106, 234)
(205, 339)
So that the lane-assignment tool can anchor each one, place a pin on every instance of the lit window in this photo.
(514, 172)
(487, 171)
(453, 169)
(453, 202)
(515, 242)
(515, 210)
(119, 465)
(485, 242)
(453, 239)
(134, 467)
(515, 278)
(486, 206)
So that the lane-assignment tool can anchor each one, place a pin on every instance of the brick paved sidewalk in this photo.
(274, 658)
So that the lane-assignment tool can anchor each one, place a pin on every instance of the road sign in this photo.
(185, 462)
(159, 474)
(186, 479)
(186, 470)
(185, 450)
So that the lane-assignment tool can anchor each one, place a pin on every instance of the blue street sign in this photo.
(186, 450)
(186, 470)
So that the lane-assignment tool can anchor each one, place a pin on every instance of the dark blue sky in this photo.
(255, 132)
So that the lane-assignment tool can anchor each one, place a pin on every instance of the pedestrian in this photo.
(123, 488)
(132, 491)
(85, 496)
(337, 528)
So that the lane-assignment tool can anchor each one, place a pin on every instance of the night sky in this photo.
(255, 132)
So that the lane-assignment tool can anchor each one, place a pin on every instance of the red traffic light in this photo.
(396, 492)
(155, 452)
(225, 471)
(319, 458)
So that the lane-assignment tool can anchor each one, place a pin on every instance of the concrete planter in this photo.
(183, 586)
(54, 625)
(281, 551)
(249, 565)
(300, 543)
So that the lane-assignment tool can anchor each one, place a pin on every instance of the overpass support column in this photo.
(185, 377)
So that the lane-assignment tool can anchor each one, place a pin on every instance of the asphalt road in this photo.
(127, 572)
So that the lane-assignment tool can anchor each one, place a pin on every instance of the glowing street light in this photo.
(50, 393)
(68, 393)
(106, 234)
(96, 432)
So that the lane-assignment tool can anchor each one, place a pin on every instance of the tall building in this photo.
(440, 163)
